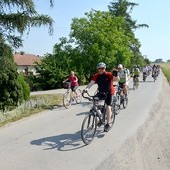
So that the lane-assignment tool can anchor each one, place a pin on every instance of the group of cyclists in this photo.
(106, 79)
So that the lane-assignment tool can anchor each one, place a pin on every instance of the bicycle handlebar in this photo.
(94, 97)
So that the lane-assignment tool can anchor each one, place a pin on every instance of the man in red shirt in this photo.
(104, 80)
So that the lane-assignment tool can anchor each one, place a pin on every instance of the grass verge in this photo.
(34, 105)
(166, 70)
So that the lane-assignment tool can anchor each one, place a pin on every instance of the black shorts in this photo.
(74, 88)
(121, 85)
(108, 98)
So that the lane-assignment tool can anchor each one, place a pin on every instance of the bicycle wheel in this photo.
(125, 102)
(78, 97)
(118, 102)
(67, 99)
(88, 128)
(133, 85)
(112, 118)
(116, 108)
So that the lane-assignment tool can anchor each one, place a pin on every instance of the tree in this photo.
(123, 8)
(100, 37)
(19, 16)
(16, 17)
(10, 89)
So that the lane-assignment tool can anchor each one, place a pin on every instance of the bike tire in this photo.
(116, 108)
(67, 100)
(112, 119)
(89, 125)
(125, 102)
(78, 97)
(133, 86)
(118, 99)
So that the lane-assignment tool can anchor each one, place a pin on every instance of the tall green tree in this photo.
(124, 8)
(10, 89)
(18, 16)
(100, 37)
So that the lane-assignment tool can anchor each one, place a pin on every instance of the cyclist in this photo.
(135, 73)
(154, 70)
(145, 72)
(73, 81)
(104, 80)
(127, 71)
(123, 79)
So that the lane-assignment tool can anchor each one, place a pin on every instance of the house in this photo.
(26, 63)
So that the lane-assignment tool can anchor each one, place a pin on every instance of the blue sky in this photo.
(155, 40)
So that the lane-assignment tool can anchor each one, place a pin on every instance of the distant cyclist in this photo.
(145, 72)
(127, 71)
(123, 79)
(154, 71)
(73, 81)
(135, 73)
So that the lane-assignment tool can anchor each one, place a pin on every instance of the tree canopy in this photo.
(17, 17)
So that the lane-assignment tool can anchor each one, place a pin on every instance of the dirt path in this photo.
(149, 148)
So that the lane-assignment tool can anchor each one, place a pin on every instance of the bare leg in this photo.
(108, 114)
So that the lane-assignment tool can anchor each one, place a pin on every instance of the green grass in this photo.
(36, 104)
(166, 70)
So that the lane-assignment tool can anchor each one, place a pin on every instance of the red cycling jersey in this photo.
(104, 82)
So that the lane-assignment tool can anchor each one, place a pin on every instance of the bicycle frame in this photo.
(70, 96)
(95, 107)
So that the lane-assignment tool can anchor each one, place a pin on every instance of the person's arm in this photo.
(65, 80)
(92, 82)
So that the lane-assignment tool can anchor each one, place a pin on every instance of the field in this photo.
(166, 70)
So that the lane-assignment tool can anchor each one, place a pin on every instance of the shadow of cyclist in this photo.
(63, 142)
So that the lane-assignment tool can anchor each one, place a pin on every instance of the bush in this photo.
(10, 88)
(24, 87)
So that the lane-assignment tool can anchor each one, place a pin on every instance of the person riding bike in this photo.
(135, 73)
(73, 81)
(104, 80)
(154, 70)
(145, 72)
(122, 79)
(127, 71)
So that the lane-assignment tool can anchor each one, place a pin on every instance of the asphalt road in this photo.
(51, 140)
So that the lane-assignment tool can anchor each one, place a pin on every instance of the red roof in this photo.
(26, 59)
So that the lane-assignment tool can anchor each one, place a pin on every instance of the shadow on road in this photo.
(63, 142)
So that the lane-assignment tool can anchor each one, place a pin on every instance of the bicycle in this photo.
(135, 82)
(95, 118)
(122, 97)
(69, 97)
(116, 100)
(144, 76)
(155, 75)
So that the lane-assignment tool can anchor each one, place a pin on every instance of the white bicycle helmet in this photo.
(101, 65)
(120, 66)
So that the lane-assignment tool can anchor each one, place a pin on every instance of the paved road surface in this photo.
(51, 140)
